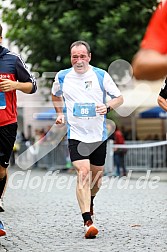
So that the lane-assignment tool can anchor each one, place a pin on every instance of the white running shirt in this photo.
(81, 93)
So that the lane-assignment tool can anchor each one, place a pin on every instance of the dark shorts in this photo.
(7, 139)
(95, 152)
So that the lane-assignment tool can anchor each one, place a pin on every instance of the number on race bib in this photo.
(84, 111)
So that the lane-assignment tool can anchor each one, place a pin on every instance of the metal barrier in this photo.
(140, 159)
(154, 158)
(137, 159)
(54, 160)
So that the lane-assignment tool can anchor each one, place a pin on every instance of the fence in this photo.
(141, 155)
(148, 157)
(43, 155)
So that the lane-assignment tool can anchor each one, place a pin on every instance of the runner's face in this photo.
(80, 59)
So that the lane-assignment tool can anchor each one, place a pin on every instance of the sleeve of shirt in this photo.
(56, 90)
(155, 37)
(163, 92)
(110, 86)
(23, 75)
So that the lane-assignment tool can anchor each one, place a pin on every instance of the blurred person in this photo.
(150, 62)
(15, 150)
(163, 96)
(36, 141)
(119, 153)
(49, 135)
(13, 76)
(109, 155)
(83, 88)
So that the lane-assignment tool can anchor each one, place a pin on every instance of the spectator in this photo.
(119, 153)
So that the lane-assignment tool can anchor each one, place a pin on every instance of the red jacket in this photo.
(12, 67)
(118, 137)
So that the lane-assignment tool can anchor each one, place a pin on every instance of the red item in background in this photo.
(155, 37)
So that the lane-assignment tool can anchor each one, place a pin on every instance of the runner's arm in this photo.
(149, 65)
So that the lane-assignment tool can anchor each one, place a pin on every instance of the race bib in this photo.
(84, 110)
(2, 101)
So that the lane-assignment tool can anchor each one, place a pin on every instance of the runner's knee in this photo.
(83, 173)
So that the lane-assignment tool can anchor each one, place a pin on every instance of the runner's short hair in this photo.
(81, 42)
(0, 30)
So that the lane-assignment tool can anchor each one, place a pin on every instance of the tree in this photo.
(44, 30)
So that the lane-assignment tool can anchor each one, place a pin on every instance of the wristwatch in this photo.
(108, 109)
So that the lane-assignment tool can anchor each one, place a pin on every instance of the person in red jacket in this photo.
(119, 153)
(150, 62)
(13, 76)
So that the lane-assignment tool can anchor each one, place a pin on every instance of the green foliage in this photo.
(44, 30)
(112, 115)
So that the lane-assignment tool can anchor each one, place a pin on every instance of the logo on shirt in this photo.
(88, 85)
(4, 76)
(7, 76)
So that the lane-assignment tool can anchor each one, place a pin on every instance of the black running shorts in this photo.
(95, 152)
(7, 139)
